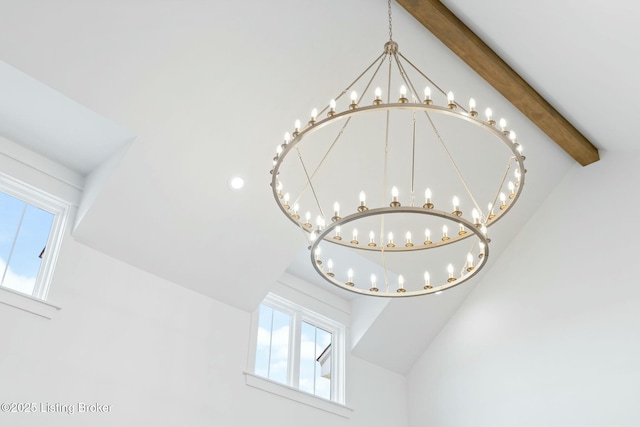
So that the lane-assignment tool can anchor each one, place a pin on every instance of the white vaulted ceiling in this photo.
(206, 88)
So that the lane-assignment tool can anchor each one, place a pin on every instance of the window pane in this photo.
(263, 348)
(24, 231)
(315, 360)
(279, 362)
(10, 214)
(272, 350)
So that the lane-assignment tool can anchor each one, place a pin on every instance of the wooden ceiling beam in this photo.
(438, 19)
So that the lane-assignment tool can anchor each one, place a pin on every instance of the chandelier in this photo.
(396, 186)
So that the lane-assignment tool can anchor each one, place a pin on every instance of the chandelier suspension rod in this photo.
(409, 83)
(339, 135)
(453, 162)
(504, 178)
(386, 161)
(429, 80)
(313, 190)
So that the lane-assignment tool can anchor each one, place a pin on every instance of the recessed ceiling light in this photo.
(236, 182)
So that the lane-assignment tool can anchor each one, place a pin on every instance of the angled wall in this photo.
(551, 336)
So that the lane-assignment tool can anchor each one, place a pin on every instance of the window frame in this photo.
(60, 211)
(298, 315)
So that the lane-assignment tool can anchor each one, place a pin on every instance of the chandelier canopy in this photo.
(399, 179)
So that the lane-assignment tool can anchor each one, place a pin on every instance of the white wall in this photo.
(551, 336)
(159, 354)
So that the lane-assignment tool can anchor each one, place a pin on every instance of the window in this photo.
(300, 348)
(31, 225)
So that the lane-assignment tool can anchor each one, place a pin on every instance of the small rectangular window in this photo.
(31, 226)
(297, 347)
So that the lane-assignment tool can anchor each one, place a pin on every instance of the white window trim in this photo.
(60, 210)
(338, 331)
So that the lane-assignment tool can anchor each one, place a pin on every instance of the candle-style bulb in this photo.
(456, 203)
(314, 114)
(336, 209)
(378, 93)
(488, 113)
(427, 236)
(469, 262)
(394, 197)
(403, 91)
(354, 100)
(349, 277)
(450, 98)
(445, 230)
(427, 199)
(512, 136)
(373, 283)
(400, 283)
(297, 125)
(472, 104)
(390, 243)
(450, 271)
(287, 138)
(363, 197)
(503, 124)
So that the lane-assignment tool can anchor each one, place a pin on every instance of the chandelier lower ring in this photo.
(330, 276)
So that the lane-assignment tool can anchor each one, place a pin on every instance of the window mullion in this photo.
(294, 349)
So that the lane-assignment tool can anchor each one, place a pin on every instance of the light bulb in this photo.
(296, 126)
(373, 280)
(427, 195)
(450, 270)
(403, 91)
(390, 237)
(336, 209)
(475, 215)
(378, 93)
(488, 113)
(317, 252)
(312, 236)
(503, 124)
(503, 198)
(330, 265)
(307, 216)
(354, 97)
(472, 104)
(512, 189)
(400, 282)
(286, 198)
(363, 198)
(350, 275)
(355, 234)
(462, 230)
(469, 260)
(408, 237)
(450, 99)
(279, 150)
(287, 137)
(394, 197)
(427, 235)
(337, 233)
(445, 230)
(332, 104)
(372, 235)
(484, 230)
(519, 148)
(314, 114)
(517, 174)
(456, 203)
(512, 136)
(296, 208)
(427, 93)
(427, 278)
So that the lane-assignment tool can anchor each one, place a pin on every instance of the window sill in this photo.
(27, 303)
(291, 393)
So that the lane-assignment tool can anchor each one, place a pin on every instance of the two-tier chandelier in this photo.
(395, 188)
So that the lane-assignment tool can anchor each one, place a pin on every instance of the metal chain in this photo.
(390, 26)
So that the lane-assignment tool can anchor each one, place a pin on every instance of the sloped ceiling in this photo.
(207, 88)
